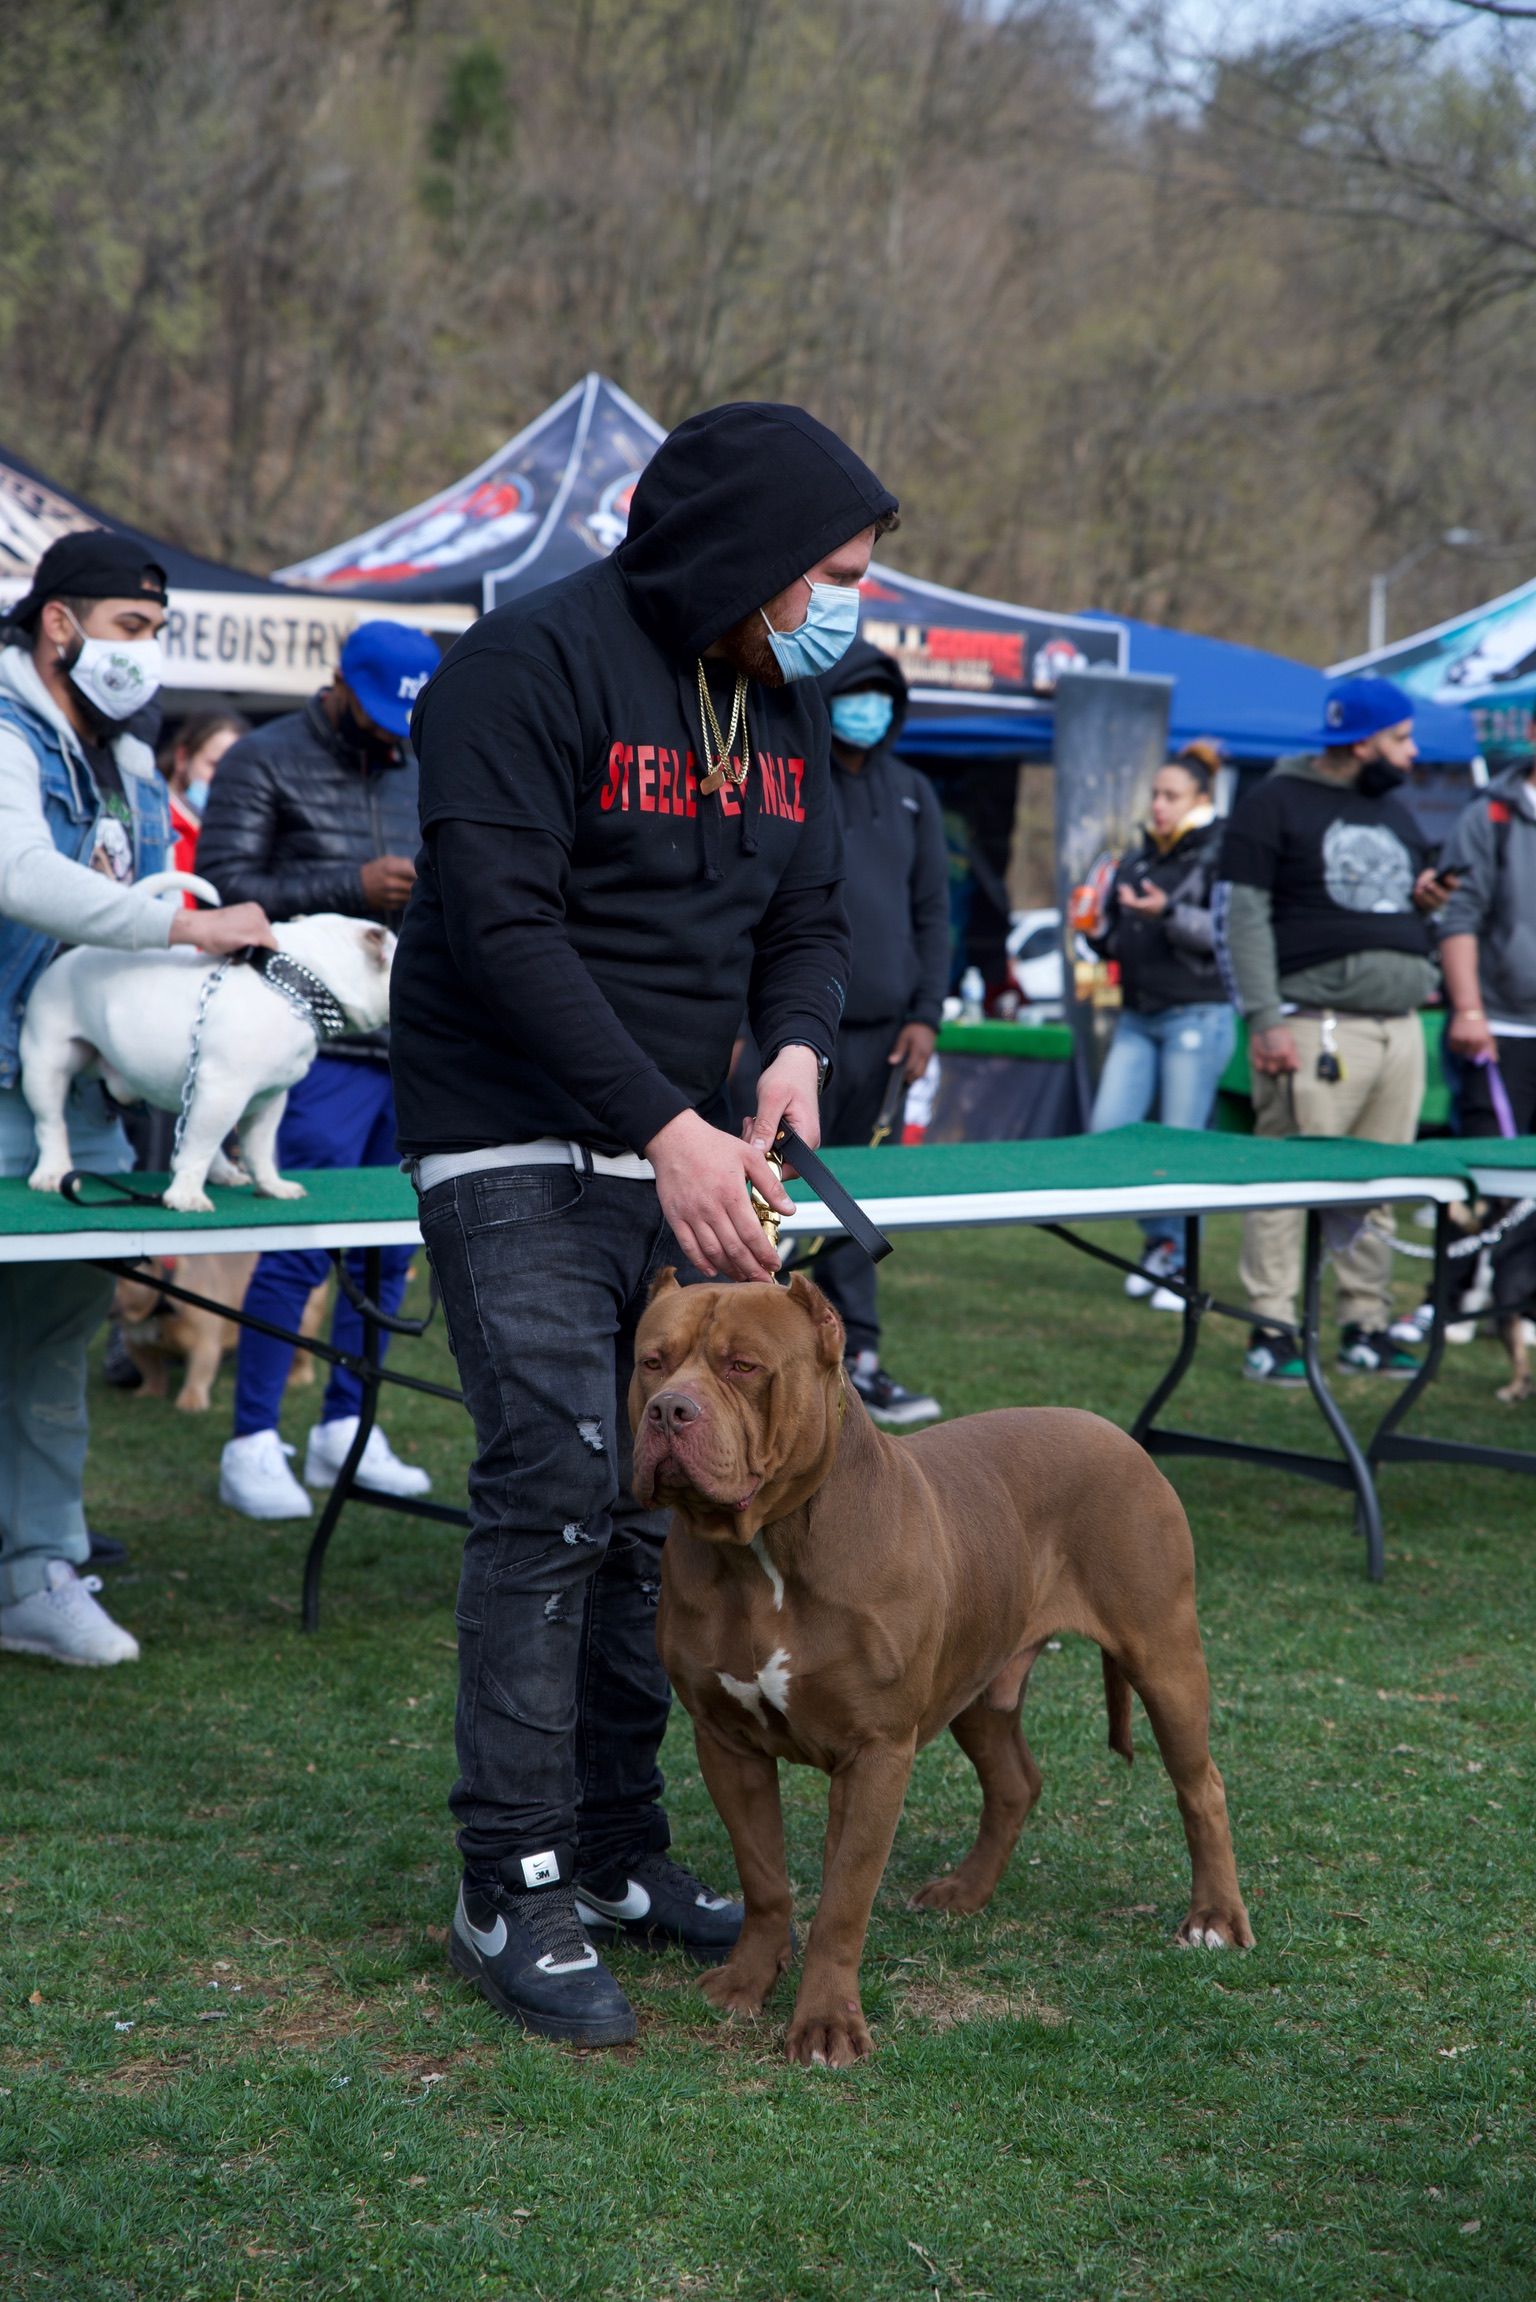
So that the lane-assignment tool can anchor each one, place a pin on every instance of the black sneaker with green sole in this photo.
(1272, 1357)
(1364, 1351)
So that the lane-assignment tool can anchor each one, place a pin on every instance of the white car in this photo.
(1034, 957)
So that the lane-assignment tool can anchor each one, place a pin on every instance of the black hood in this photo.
(865, 668)
(735, 504)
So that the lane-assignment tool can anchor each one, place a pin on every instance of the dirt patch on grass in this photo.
(944, 2005)
(144, 2074)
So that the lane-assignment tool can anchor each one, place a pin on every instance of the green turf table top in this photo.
(1129, 1170)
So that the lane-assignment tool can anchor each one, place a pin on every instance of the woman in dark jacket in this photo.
(1175, 1034)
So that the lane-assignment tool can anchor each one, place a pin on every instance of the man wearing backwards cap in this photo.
(316, 811)
(1323, 937)
(83, 815)
(629, 846)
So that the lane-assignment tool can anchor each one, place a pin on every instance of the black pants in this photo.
(1514, 1258)
(562, 1703)
(855, 1092)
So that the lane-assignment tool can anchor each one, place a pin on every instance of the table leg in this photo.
(1367, 1505)
(1189, 1338)
(369, 1376)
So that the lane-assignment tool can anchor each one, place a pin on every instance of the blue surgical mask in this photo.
(195, 798)
(861, 720)
(831, 625)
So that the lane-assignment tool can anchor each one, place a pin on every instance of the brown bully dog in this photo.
(836, 1597)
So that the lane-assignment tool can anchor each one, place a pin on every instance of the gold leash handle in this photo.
(768, 1216)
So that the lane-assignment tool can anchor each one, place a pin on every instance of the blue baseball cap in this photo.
(1358, 708)
(386, 665)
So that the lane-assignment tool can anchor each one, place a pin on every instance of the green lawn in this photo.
(235, 2064)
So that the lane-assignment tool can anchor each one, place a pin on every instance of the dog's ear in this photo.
(379, 945)
(664, 1283)
(828, 1326)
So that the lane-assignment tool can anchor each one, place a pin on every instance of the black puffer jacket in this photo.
(293, 814)
(1168, 961)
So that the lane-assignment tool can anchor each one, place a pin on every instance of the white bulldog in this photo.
(128, 1017)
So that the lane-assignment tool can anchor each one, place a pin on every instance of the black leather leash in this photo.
(830, 1192)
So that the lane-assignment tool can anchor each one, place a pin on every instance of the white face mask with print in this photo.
(117, 677)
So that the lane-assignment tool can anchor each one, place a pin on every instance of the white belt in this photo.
(546, 1151)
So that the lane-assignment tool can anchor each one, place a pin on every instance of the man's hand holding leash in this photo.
(235, 927)
(701, 1172)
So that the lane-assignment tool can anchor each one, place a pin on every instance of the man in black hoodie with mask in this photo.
(897, 896)
(628, 841)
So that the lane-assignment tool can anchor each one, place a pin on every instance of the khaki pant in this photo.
(1377, 1101)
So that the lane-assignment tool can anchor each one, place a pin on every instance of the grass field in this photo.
(235, 2065)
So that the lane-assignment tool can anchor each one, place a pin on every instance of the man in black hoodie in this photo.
(628, 841)
(897, 895)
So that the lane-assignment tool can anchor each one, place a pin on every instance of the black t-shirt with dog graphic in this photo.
(1339, 868)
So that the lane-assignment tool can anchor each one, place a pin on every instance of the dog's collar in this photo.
(315, 1001)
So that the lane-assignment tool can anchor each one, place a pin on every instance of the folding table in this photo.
(1131, 1171)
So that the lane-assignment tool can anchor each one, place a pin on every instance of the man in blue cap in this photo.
(1323, 936)
(319, 811)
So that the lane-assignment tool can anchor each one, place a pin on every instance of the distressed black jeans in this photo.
(544, 1272)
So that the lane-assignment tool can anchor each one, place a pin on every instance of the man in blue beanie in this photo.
(318, 810)
(1322, 932)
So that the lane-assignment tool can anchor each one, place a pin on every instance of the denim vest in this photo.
(71, 806)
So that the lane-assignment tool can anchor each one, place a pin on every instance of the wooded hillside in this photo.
(1201, 340)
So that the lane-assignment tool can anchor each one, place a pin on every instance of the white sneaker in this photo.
(255, 1480)
(1164, 1299)
(380, 1466)
(63, 1622)
(1160, 1261)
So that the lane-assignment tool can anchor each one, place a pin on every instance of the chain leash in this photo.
(211, 982)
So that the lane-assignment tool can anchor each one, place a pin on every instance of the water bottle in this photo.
(973, 996)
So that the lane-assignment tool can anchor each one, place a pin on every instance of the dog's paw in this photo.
(1216, 1930)
(229, 1176)
(186, 1198)
(279, 1187)
(952, 1891)
(46, 1178)
(1510, 1394)
(738, 1990)
(829, 2038)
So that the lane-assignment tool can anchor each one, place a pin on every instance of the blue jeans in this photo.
(48, 1314)
(562, 1702)
(341, 1114)
(1173, 1059)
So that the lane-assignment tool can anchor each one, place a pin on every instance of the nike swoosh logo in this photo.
(635, 1902)
(489, 1941)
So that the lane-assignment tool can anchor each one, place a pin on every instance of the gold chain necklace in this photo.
(719, 750)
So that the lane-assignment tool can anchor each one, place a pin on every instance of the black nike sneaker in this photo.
(654, 1902)
(529, 1956)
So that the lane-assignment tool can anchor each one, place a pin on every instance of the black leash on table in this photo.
(814, 1170)
(73, 1184)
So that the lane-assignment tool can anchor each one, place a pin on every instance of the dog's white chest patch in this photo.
(771, 1684)
(776, 1580)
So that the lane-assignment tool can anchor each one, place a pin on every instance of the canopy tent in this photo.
(982, 671)
(551, 500)
(1482, 663)
(228, 634)
(556, 497)
(1262, 706)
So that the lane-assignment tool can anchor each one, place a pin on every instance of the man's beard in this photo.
(745, 647)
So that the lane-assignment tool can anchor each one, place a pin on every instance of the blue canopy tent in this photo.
(1262, 706)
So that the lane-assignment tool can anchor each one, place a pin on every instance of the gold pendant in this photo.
(713, 780)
